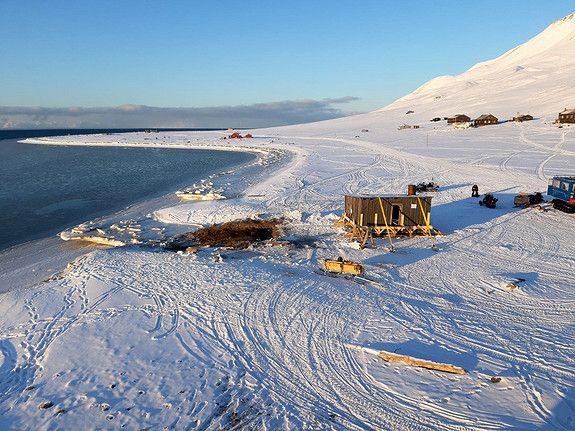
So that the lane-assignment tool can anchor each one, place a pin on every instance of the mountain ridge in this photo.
(535, 77)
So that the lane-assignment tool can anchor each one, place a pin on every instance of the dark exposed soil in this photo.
(236, 234)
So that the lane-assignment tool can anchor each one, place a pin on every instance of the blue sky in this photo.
(230, 61)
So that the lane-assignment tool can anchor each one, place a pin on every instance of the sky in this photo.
(250, 63)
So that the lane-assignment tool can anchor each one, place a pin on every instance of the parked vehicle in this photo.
(489, 201)
(562, 190)
(426, 187)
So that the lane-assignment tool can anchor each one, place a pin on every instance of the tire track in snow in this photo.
(298, 197)
(504, 163)
(405, 315)
(556, 150)
(286, 320)
(486, 323)
(500, 322)
(353, 178)
(343, 386)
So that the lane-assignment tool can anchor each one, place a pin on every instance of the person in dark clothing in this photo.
(474, 191)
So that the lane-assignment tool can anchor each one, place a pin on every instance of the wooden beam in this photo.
(394, 357)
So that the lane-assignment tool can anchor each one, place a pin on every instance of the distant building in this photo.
(521, 118)
(459, 118)
(567, 116)
(486, 120)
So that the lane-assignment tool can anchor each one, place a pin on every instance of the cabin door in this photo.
(396, 215)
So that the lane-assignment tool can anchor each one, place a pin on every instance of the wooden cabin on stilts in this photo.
(390, 216)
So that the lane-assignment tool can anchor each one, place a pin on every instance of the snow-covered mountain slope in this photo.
(535, 77)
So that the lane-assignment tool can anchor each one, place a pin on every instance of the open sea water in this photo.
(45, 189)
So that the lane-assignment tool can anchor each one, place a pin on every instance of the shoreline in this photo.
(50, 255)
(152, 144)
(265, 156)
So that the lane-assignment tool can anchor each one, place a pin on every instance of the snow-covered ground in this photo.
(137, 337)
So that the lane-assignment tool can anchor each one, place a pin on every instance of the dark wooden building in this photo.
(567, 116)
(486, 120)
(459, 118)
(383, 215)
(521, 118)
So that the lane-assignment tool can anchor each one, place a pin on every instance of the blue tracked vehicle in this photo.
(562, 190)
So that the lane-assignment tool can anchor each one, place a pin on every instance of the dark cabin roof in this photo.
(485, 117)
(458, 119)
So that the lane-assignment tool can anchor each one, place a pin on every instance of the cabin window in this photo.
(556, 183)
(565, 186)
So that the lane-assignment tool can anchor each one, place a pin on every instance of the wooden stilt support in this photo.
(344, 220)
(368, 235)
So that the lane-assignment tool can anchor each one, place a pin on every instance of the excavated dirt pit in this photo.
(236, 234)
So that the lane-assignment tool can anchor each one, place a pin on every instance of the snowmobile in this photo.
(535, 199)
(489, 201)
(426, 187)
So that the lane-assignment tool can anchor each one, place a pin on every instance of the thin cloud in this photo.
(142, 116)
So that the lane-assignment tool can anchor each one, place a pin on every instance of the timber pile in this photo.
(394, 357)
